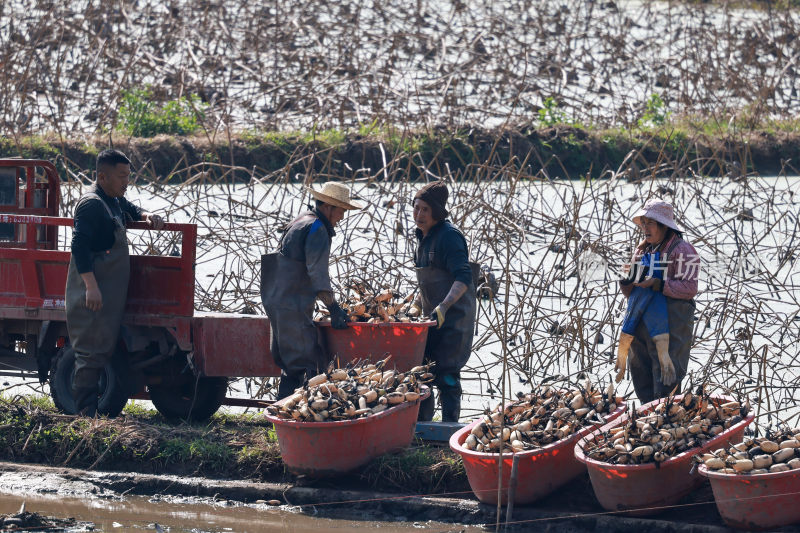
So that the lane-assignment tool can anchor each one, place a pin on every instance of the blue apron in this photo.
(647, 304)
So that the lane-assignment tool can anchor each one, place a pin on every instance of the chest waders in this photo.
(449, 346)
(93, 334)
(650, 307)
(288, 298)
(662, 337)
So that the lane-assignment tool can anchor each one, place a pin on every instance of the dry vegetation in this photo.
(312, 65)
(556, 247)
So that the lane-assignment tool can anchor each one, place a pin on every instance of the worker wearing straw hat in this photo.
(447, 294)
(294, 277)
(659, 320)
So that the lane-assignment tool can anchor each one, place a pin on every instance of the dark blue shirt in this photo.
(307, 239)
(444, 247)
(94, 228)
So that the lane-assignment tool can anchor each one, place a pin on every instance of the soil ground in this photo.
(141, 454)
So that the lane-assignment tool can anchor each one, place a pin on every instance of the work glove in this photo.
(625, 341)
(668, 376)
(438, 316)
(339, 318)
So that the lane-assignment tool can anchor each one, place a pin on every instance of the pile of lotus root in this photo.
(673, 427)
(376, 307)
(386, 306)
(356, 391)
(777, 451)
(543, 416)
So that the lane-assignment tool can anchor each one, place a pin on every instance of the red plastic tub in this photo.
(539, 472)
(645, 489)
(361, 340)
(321, 449)
(761, 501)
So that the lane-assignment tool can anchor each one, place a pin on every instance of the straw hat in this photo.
(335, 193)
(659, 211)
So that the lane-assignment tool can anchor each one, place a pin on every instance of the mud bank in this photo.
(570, 510)
(28, 521)
(552, 152)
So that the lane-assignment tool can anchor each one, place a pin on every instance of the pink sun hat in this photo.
(659, 211)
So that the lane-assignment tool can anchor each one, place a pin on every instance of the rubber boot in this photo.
(85, 400)
(450, 397)
(625, 341)
(451, 404)
(426, 409)
(288, 384)
(85, 388)
(667, 368)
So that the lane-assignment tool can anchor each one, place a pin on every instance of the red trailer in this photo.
(180, 357)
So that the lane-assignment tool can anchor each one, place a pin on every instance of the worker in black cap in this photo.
(447, 294)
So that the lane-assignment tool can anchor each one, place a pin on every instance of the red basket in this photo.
(645, 489)
(760, 501)
(539, 472)
(321, 449)
(361, 340)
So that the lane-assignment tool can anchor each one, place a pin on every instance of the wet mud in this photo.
(175, 501)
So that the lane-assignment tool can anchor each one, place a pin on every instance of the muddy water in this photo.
(178, 515)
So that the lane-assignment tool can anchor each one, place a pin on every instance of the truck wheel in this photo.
(113, 389)
(194, 399)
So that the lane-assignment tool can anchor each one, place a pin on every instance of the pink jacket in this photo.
(682, 271)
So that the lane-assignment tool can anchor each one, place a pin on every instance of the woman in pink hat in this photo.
(660, 287)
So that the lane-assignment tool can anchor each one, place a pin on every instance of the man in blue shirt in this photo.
(447, 294)
(294, 278)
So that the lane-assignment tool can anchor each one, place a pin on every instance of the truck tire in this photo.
(113, 387)
(190, 398)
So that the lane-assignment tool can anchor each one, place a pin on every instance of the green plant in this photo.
(655, 112)
(365, 130)
(41, 402)
(140, 116)
(217, 455)
(174, 451)
(328, 137)
(138, 410)
(550, 113)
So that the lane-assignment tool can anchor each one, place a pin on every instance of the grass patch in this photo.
(422, 470)
(138, 410)
(562, 149)
(240, 446)
(140, 115)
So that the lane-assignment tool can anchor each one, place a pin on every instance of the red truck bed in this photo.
(33, 275)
